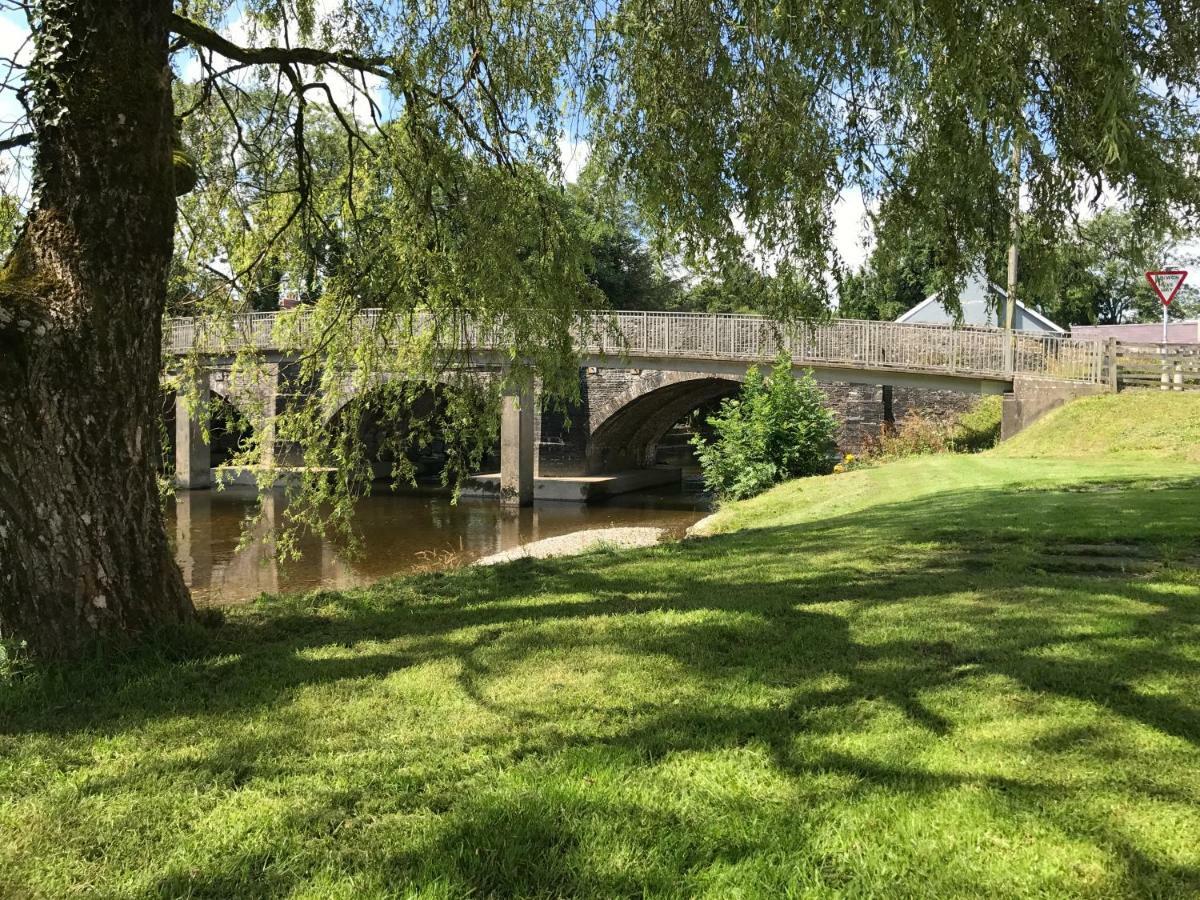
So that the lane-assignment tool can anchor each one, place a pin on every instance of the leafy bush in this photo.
(916, 435)
(776, 428)
(919, 434)
(978, 429)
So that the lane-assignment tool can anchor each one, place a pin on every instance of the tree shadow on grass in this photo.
(790, 608)
(983, 543)
(530, 838)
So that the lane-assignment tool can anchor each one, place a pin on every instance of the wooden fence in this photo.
(1168, 367)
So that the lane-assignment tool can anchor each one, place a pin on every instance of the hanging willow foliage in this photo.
(436, 196)
(725, 121)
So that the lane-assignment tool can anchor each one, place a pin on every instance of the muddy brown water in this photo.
(400, 533)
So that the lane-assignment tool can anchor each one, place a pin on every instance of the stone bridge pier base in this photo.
(517, 448)
(192, 461)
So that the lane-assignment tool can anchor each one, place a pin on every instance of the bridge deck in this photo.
(849, 344)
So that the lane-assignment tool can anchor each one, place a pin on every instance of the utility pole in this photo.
(1014, 233)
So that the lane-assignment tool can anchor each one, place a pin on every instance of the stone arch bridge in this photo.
(641, 372)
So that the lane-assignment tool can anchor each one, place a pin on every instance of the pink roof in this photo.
(1177, 333)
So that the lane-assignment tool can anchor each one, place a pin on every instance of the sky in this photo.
(14, 45)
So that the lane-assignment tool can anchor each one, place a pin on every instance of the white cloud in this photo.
(1091, 204)
(572, 156)
(852, 236)
(14, 37)
(763, 258)
(188, 67)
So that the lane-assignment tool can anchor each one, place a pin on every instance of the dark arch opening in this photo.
(675, 447)
(229, 431)
(404, 419)
(633, 435)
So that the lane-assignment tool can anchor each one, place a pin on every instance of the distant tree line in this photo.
(1093, 273)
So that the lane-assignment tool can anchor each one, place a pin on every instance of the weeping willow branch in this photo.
(199, 36)
(290, 57)
(17, 140)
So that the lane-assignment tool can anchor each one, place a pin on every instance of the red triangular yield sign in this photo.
(1167, 283)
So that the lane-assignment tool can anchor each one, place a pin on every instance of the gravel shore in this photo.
(578, 542)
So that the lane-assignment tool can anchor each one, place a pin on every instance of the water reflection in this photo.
(400, 533)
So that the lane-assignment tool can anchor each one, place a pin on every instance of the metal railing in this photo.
(966, 352)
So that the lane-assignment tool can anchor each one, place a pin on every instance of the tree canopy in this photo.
(722, 121)
(1095, 273)
(732, 125)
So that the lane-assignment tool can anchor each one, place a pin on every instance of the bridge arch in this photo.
(627, 429)
(351, 389)
(412, 426)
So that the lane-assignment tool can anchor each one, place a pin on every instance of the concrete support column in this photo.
(193, 469)
(517, 448)
(284, 387)
(263, 392)
(268, 396)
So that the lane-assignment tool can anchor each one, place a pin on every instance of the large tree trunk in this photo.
(83, 550)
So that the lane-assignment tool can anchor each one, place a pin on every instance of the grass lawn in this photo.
(950, 676)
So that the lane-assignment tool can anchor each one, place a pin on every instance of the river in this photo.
(399, 533)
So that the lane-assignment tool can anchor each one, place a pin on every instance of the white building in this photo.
(982, 305)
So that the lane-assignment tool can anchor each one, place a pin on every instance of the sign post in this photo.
(1166, 284)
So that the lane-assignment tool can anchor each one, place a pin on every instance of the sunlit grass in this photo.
(902, 681)
(1153, 424)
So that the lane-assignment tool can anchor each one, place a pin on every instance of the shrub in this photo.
(978, 429)
(919, 434)
(776, 428)
(916, 435)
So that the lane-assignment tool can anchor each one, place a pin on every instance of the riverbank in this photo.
(944, 676)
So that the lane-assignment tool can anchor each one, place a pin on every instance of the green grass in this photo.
(908, 680)
(1150, 424)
